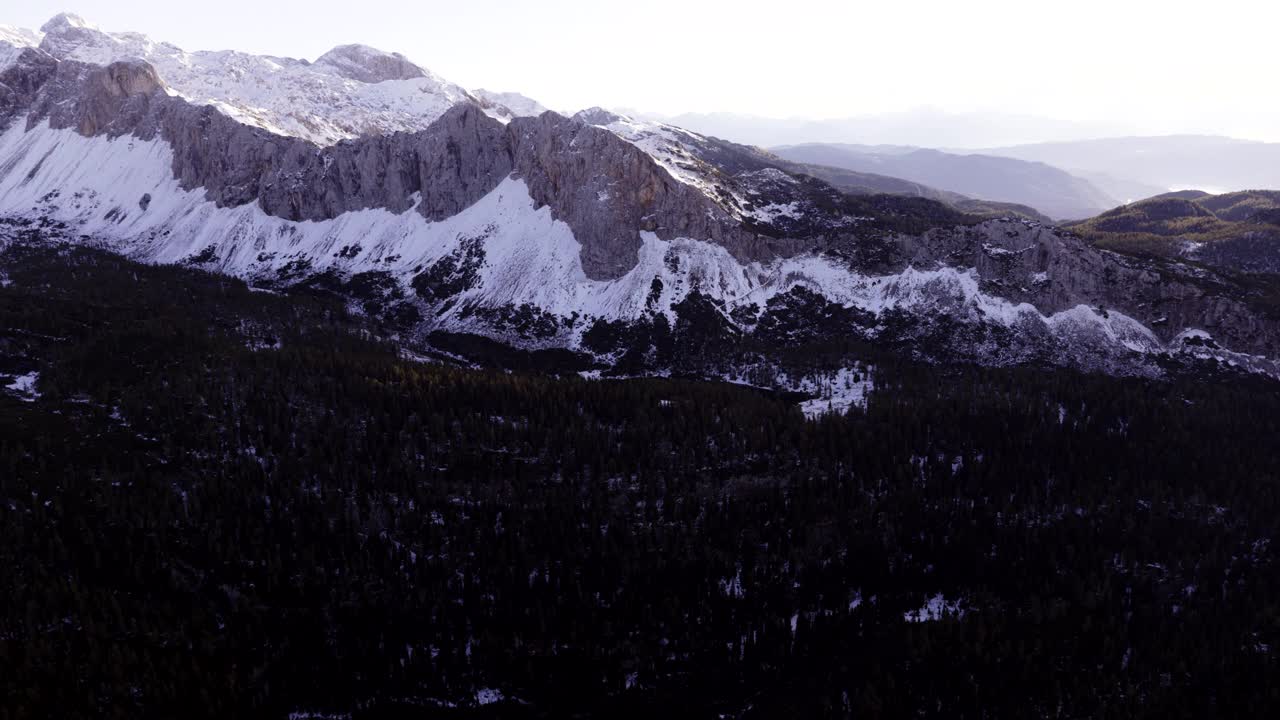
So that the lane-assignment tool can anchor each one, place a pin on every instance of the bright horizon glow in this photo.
(1133, 67)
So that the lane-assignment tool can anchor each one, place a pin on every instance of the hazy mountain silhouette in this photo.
(925, 127)
(1203, 162)
(1053, 192)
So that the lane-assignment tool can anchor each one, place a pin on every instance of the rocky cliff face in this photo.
(538, 229)
(605, 189)
(351, 91)
(21, 81)
(1056, 271)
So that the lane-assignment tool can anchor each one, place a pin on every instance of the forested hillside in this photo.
(1237, 231)
(216, 502)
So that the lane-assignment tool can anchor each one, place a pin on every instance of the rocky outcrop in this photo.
(606, 189)
(21, 82)
(1055, 271)
(370, 65)
(64, 32)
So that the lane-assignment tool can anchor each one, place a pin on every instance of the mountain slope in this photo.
(1045, 188)
(1236, 231)
(554, 232)
(350, 91)
(13, 41)
(708, 162)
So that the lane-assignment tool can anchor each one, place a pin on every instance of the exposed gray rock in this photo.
(64, 32)
(1055, 271)
(609, 191)
(597, 116)
(21, 82)
(369, 65)
(606, 189)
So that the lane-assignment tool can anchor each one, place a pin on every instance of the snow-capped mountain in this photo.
(598, 233)
(13, 41)
(516, 104)
(350, 91)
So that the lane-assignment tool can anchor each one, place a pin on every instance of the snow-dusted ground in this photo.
(95, 184)
(519, 105)
(23, 387)
(836, 393)
(935, 608)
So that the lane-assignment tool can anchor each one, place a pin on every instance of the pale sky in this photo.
(1157, 66)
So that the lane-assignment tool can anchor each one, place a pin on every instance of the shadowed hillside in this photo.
(1049, 190)
(1239, 230)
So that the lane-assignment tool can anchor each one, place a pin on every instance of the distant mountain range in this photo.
(925, 127)
(1116, 166)
(1201, 162)
(1049, 190)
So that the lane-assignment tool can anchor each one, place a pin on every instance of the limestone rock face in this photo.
(1055, 271)
(606, 189)
(113, 94)
(609, 191)
(22, 81)
(459, 159)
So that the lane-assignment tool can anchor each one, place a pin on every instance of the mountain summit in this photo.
(349, 92)
(370, 65)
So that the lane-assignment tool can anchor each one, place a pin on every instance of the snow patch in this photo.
(771, 212)
(515, 104)
(23, 387)
(836, 393)
(935, 608)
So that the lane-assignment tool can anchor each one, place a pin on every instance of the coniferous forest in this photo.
(216, 502)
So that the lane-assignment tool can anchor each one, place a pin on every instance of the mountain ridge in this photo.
(554, 232)
(1049, 190)
(1208, 162)
(1232, 231)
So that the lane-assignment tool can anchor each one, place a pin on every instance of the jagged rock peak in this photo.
(68, 36)
(597, 116)
(370, 65)
(516, 104)
(64, 22)
(19, 37)
(15, 43)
